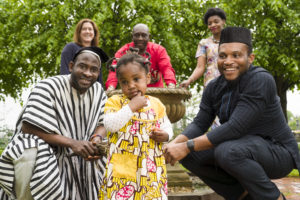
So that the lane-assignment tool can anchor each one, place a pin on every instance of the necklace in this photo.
(215, 41)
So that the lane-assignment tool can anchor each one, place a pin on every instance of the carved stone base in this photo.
(177, 177)
(172, 98)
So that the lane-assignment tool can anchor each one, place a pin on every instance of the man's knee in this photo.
(228, 153)
(187, 161)
(196, 161)
(24, 167)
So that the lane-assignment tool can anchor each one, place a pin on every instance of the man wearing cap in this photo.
(254, 143)
(160, 69)
(53, 153)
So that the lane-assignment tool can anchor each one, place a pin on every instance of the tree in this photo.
(30, 37)
(34, 32)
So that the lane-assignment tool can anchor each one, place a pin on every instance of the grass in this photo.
(294, 173)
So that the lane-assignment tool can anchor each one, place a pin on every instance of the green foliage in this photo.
(6, 138)
(294, 173)
(33, 34)
(294, 121)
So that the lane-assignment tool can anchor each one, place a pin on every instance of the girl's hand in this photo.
(137, 102)
(159, 135)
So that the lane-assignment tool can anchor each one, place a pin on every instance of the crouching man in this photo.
(53, 153)
(254, 143)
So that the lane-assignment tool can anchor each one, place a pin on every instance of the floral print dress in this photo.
(136, 166)
(208, 48)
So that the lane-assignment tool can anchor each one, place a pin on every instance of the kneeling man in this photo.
(53, 153)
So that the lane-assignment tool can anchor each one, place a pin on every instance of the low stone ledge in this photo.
(204, 195)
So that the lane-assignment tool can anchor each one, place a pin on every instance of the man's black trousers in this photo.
(247, 163)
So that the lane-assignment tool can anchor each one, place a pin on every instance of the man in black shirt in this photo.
(254, 143)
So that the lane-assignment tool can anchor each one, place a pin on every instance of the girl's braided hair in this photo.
(133, 58)
(130, 57)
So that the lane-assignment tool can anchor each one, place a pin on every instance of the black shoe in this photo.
(283, 197)
(247, 197)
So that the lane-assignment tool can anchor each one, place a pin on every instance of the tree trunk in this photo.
(283, 101)
(282, 87)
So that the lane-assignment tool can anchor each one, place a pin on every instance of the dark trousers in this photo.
(247, 163)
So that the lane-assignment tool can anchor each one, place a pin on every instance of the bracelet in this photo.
(190, 144)
(96, 135)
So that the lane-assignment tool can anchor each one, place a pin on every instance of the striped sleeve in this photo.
(103, 98)
(40, 109)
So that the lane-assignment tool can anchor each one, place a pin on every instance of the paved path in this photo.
(290, 187)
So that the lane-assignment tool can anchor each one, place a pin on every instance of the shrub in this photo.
(294, 173)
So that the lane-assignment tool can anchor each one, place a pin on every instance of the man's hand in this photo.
(159, 135)
(96, 140)
(137, 102)
(175, 151)
(110, 88)
(85, 149)
(171, 85)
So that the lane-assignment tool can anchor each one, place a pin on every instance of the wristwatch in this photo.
(190, 144)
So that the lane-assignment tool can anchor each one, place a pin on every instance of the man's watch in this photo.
(191, 145)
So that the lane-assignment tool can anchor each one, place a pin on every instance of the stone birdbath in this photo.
(172, 98)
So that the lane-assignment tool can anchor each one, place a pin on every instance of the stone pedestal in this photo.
(177, 177)
(208, 195)
(172, 98)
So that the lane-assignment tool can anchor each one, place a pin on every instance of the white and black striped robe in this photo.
(56, 107)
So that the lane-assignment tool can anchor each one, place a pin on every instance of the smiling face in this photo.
(87, 33)
(84, 72)
(140, 37)
(133, 79)
(215, 24)
(233, 60)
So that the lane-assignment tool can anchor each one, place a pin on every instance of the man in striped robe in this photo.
(52, 154)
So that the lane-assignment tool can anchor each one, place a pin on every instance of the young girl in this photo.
(137, 126)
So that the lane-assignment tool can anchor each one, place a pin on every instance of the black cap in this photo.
(236, 34)
(96, 50)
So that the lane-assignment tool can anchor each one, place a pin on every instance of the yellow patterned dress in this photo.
(136, 166)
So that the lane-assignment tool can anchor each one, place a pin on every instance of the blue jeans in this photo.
(247, 163)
